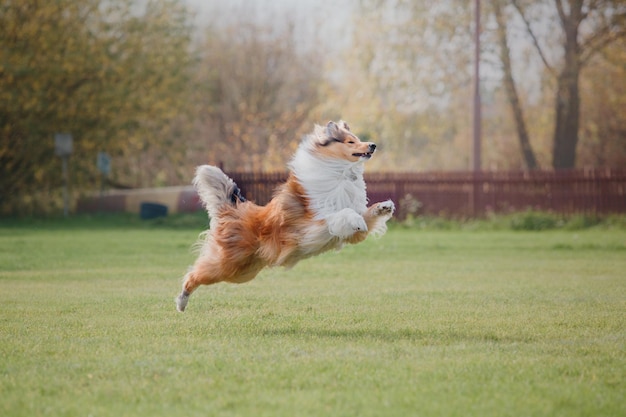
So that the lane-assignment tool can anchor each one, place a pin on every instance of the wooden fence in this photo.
(450, 194)
(468, 194)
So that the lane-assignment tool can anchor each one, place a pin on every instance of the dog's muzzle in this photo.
(368, 154)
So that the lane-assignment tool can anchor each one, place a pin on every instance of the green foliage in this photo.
(532, 220)
(583, 221)
(452, 323)
(111, 73)
(431, 223)
(195, 221)
(522, 221)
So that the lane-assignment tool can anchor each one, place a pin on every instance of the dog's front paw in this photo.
(346, 223)
(357, 222)
(386, 208)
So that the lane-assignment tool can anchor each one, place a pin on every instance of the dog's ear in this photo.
(344, 125)
(332, 130)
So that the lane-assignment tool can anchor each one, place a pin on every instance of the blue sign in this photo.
(104, 163)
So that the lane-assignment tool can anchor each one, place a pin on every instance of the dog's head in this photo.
(336, 141)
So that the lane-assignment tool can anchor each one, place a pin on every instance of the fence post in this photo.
(475, 196)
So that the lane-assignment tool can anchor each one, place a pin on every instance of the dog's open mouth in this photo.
(363, 155)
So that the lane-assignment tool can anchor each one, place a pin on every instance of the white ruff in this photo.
(330, 184)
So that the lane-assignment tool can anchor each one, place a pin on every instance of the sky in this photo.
(324, 20)
(272, 8)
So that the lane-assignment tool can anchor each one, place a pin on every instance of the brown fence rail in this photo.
(468, 194)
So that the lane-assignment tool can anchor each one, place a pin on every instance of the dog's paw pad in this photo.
(386, 207)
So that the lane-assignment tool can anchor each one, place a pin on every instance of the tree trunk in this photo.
(511, 91)
(567, 118)
(567, 98)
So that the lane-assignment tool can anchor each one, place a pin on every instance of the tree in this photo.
(257, 90)
(111, 73)
(511, 89)
(603, 120)
(412, 74)
(418, 60)
(587, 27)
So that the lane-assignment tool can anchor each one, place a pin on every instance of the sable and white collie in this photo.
(322, 206)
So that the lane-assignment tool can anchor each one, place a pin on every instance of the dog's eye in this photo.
(350, 141)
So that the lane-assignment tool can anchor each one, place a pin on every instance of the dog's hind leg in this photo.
(199, 275)
(183, 297)
(190, 284)
(208, 271)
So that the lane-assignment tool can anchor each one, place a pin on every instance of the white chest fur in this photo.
(330, 184)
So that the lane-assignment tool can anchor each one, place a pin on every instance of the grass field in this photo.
(417, 323)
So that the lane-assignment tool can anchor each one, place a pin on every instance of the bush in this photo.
(583, 221)
(527, 220)
(532, 220)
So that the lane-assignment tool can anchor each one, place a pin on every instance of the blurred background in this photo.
(158, 87)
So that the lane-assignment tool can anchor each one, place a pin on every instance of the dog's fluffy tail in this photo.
(215, 189)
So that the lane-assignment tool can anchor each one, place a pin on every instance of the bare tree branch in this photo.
(598, 42)
(562, 15)
(511, 90)
(534, 38)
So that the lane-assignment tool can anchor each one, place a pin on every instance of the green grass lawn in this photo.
(417, 323)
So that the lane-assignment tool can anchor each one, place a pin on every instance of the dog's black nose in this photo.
(372, 147)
